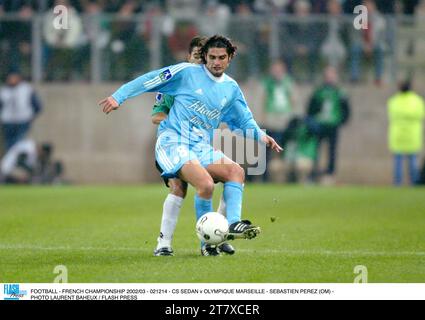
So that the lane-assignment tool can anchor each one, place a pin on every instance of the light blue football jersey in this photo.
(201, 101)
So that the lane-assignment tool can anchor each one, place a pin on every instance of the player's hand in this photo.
(109, 104)
(271, 143)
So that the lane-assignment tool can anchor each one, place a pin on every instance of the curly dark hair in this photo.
(218, 41)
(197, 41)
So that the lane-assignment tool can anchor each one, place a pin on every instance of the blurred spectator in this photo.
(113, 6)
(386, 6)
(27, 163)
(4, 46)
(334, 47)
(15, 37)
(279, 103)
(233, 4)
(301, 41)
(179, 40)
(406, 113)
(97, 32)
(422, 175)
(349, 5)
(19, 105)
(47, 170)
(262, 7)
(409, 6)
(18, 163)
(300, 143)
(409, 9)
(183, 8)
(125, 43)
(369, 42)
(76, 4)
(317, 6)
(388, 9)
(281, 6)
(243, 30)
(215, 20)
(328, 111)
(62, 43)
(154, 14)
(14, 6)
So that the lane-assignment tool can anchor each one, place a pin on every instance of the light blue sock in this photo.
(233, 192)
(202, 206)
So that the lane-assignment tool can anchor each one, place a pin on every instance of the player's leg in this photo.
(208, 156)
(224, 247)
(170, 214)
(199, 178)
(192, 172)
(233, 176)
(174, 158)
(222, 206)
(177, 160)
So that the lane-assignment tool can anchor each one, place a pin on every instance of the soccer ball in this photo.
(212, 228)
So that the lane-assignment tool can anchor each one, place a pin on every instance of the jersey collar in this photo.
(212, 77)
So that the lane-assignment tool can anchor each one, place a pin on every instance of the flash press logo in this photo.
(13, 292)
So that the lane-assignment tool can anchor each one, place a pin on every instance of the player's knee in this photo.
(206, 189)
(237, 173)
(179, 189)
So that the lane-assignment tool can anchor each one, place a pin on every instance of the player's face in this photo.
(217, 61)
(13, 79)
(195, 56)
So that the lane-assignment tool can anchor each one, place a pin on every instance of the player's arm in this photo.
(161, 109)
(157, 118)
(166, 80)
(239, 119)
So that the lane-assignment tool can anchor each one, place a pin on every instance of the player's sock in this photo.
(233, 193)
(170, 214)
(222, 206)
(202, 206)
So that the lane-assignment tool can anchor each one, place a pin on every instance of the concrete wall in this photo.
(118, 148)
(97, 148)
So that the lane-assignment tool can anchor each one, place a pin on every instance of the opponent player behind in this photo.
(178, 188)
(204, 96)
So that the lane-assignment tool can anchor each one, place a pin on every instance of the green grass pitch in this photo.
(107, 234)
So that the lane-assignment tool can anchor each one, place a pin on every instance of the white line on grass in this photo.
(266, 251)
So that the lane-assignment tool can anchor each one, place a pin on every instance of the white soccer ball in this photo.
(212, 228)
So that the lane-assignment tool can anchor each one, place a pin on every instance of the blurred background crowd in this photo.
(105, 36)
(308, 72)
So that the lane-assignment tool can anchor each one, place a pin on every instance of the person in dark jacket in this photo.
(19, 105)
(328, 111)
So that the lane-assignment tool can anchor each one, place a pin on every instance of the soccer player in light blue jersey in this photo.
(204, 96)
(178, 188)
